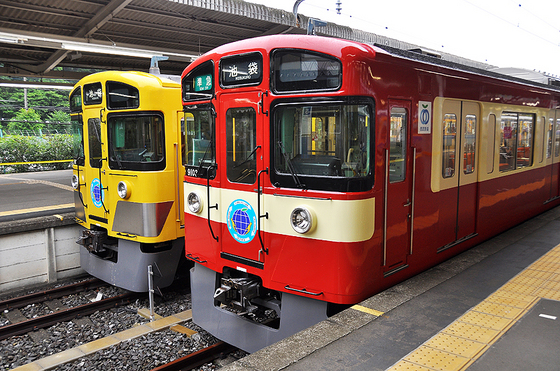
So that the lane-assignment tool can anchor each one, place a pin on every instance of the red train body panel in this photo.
(393, 163)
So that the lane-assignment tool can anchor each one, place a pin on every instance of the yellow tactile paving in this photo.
(458, 345)
(100, 344)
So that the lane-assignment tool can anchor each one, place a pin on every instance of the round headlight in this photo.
(123, 189)
(194, 203)
(75, 182)
(301, 220)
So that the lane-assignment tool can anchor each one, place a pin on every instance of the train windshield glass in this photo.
(200, 143)
(77, 139)
(136, 142)
(76, 100)
(323, 146)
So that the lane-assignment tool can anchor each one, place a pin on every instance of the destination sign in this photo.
(241, 70)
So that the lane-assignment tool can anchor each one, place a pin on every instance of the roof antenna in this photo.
(154, 68)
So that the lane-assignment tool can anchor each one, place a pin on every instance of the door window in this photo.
(449, 143)
(397, 154)
(241, 145)
(94, 138)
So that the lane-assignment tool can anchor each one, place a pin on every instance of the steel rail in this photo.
(54, 293)
(198, 358)
(64, 315)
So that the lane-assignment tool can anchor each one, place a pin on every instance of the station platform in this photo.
(493, 307)
(34, 195)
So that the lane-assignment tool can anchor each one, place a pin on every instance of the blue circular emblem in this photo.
(242, 221)
(425, 116)
(97, 194)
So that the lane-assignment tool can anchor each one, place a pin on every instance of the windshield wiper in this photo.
(298, 183)
(248, 157)
(198, 171)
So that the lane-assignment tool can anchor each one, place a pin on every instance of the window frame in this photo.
(135, 165)
(321, 182)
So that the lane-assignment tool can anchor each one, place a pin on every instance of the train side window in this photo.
(557, 139)
(241, 145)
(469, 144)
(94, 140)
(525, 140)
(397, 152)
(449, 143)
(508, 144)
(491, 149)
(516, 150)
(549, 138)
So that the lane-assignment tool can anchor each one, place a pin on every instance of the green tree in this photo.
(26, 120)
(55, 119)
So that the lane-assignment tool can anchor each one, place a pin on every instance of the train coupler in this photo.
(237, 293)
(93, 241)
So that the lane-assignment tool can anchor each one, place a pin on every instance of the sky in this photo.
(504, 33)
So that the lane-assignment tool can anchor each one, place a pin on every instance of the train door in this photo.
(398, 188)
(460, 162)
(244, 171)
(96, 177)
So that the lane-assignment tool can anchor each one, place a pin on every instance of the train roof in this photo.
(507, 74)
(334, 45)
(133, 77)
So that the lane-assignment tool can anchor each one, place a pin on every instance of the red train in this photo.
(322, 171)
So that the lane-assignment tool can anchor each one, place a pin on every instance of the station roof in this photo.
(37, 36)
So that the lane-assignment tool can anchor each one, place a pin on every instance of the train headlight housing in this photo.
(302, 220)
(124, 189)
(194, 203)
(75, 181)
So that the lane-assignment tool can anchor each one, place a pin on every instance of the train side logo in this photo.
(424, 117)
(97, 194)
(241, 221)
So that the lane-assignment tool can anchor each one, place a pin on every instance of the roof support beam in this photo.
(94, 24)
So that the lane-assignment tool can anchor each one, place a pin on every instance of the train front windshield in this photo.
(136, 141)
(322, 146)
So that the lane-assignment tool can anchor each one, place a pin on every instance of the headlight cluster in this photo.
(124, 189)
(302, 220)
(194, 203)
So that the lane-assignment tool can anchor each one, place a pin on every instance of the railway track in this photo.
(32, 324)
(198, 358)
(55, 293)
(66, 314)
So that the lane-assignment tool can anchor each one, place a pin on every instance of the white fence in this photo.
(38, 256)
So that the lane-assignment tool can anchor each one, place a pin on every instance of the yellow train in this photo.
(127, 176)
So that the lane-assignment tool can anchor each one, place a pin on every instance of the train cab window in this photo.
(136, 142)
(397, 152)
(94, 141)
(93, 94)
(449, 144)
(76, 100)
(295, 70)
(516, 149)
(323, 146)
(199, 83)
(469, 144)
(241, 145)
(76, 127)
(199, 140)
(122, 96)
